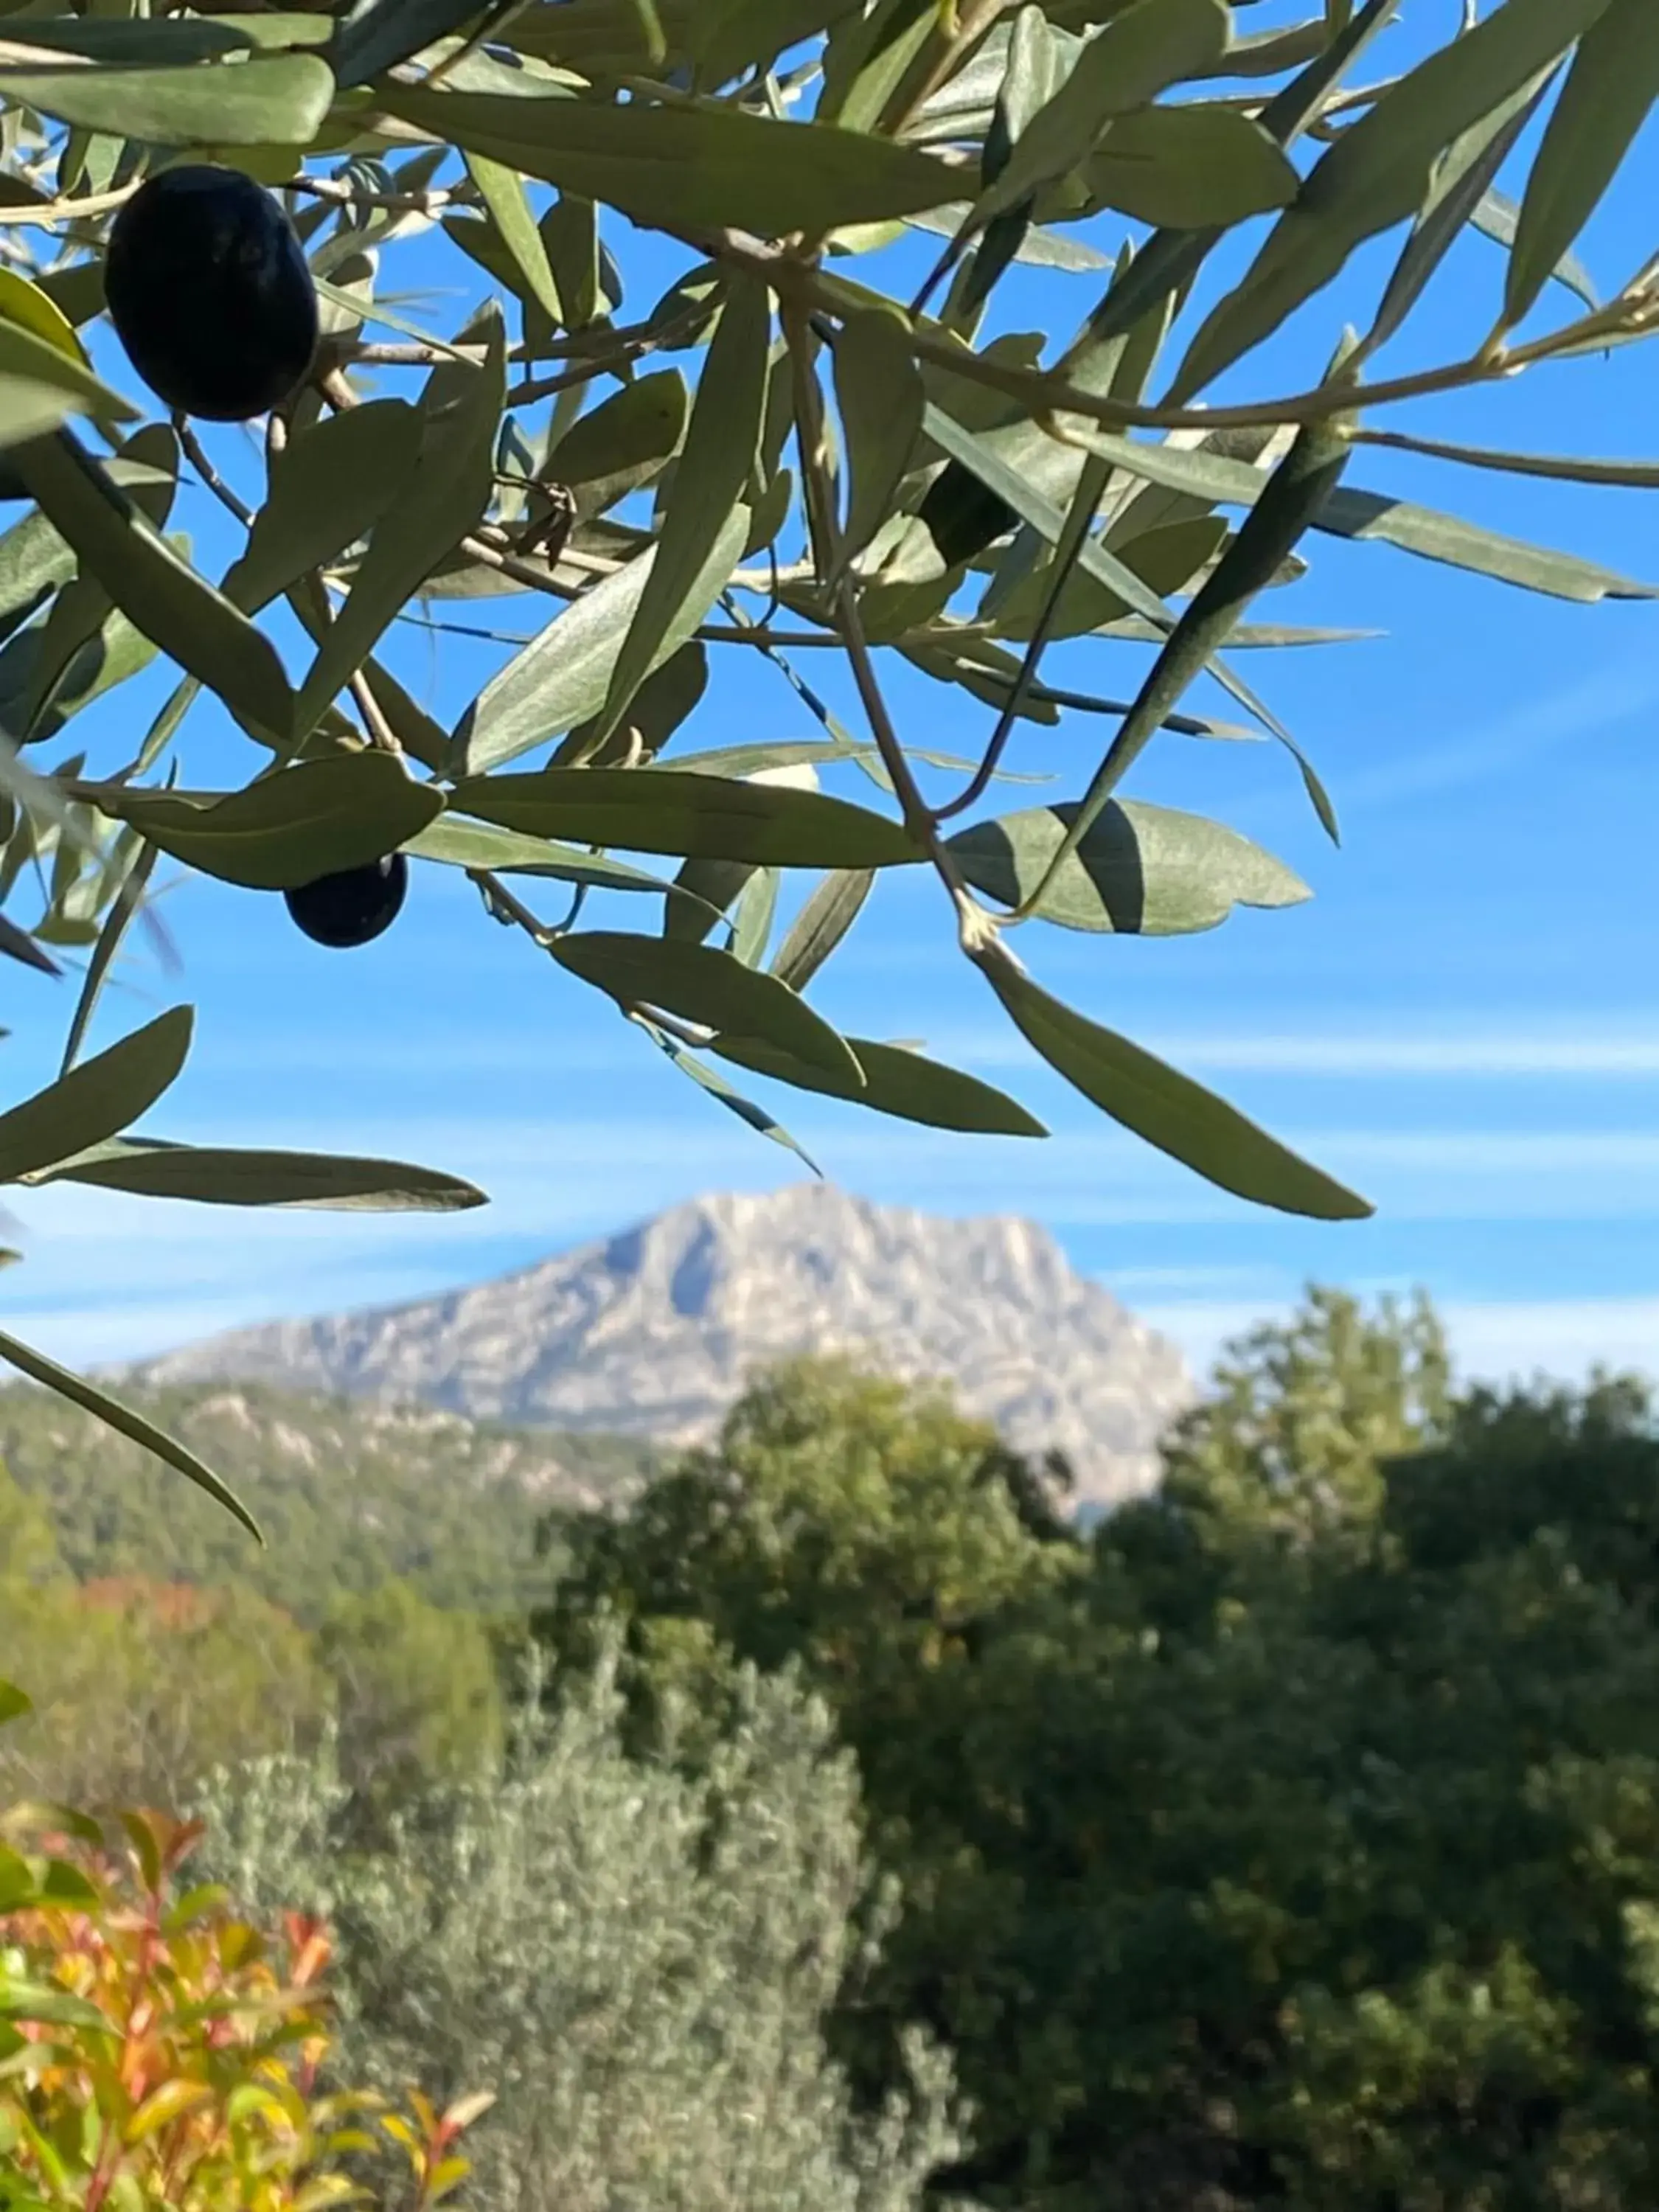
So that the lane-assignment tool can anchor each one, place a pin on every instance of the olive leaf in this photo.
(624, 442)
(154, 586)
(1164, 1108)
(291, 827)
(1378, 172)
(503, 193)
(218, 1176)
(335, 481)
(818, 929)
(444, 497)
(685, 577)
(1140, 871)
(564, 676)
(277, 99)
(139, 1431)
(1609, 92)
(685, 815)
(701, 985)
(881, 396)
(1124, 66)
(897, 1081)
(695, 168)
(379, 37)
(95, 1100)
(715, 1086)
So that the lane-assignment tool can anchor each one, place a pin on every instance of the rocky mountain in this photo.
(653, 1333)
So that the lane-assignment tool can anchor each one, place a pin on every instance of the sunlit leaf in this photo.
(688, 816)
(333, 484)
(1609, 92)
(445, 496)
(822, 924)
(564, 676)
(1126, 64)
(881, 398)
(1190, 168)
(153, 586)
(624, 442)
(715, 1086)
(277, 99)
(709, 483)
(693, 168)
(1144, 870)
(392, 31)
(1378, 171)
(503, 193)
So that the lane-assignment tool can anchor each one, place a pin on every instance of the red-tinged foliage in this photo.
(157, 2050)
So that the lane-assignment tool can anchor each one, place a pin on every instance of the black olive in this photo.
(211, 293)
(355, 907)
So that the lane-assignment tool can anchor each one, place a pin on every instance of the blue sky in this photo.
(1464, 1022)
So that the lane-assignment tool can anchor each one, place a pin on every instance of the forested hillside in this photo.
(347, 1495)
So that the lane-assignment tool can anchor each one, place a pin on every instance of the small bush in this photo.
(638, 1962)
(157, 2050)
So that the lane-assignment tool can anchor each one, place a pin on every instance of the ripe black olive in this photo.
(355, 907)
(211, 293)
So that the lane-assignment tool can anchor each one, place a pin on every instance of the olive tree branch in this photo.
(1633, 313)
(975, 925)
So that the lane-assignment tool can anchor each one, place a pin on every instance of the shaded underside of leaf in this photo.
(1166, 1109)
(687, 816)
(898, 1082)
(125, 1422)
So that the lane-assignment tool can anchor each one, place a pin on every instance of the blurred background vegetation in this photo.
(824, 1818)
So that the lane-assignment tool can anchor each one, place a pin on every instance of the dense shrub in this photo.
(637, 1962)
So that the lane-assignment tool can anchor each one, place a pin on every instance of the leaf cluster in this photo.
(782, 453)
(156, 2049)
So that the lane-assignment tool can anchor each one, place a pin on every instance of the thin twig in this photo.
(380, 731)
(1045, 395)
(195, 454)
(53, 211)
(973, 924)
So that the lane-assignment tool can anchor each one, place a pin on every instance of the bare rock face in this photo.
(655, 1332)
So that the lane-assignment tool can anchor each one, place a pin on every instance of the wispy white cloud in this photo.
(1459, 1050)
(1627, 1054)
(1493, 1341)
(1600, 701)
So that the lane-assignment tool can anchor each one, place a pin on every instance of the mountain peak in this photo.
(655, 1330)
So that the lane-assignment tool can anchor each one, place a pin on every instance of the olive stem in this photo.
(384, 737)
(973, 925)
(195, 454)
(343, 195)
(53, 211)
(1046, 394)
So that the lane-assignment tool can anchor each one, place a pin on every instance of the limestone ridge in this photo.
(654, 1332)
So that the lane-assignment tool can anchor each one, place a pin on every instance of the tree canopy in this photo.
(1289, 1841)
